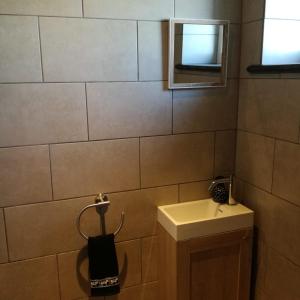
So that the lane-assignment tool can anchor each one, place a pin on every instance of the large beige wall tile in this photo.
(3, 245)
(25, 175)
(225, 152)
(48, 228)
(20, 49)
(176, 158)
(153, 61)
(274, 215)
(140, 208)
(128, 109)
(205, 109)
(72, 8)
(194, 191)
(251, 47)
(89, 168)
(254, 159)
(270, 107)
(150, 259)
(204, 9)
(234, 51)
(88, 49)
(282, 278)
(287, 171)
(253, 10)
(129, 9)
(73, 269)
(42, 113)
(148, 291)
(45, 228)
(30, 280)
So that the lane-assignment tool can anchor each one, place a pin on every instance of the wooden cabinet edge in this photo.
(174, 261)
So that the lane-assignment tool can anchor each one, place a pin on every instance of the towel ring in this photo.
(101, 202)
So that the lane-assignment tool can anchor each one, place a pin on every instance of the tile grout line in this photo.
(119, 138)
(41, 54)
(58, 277)
(94, 18)
(268, 192)
(72, 198)
(273, 164)
(87, 112)
(74, 250)
(174, 8)
(141, 259)
(51, 176)
(140, 167)
(172, 117)
(214, 161)
(6, 236)
(118, 81)
(82, 8)
(137, 51)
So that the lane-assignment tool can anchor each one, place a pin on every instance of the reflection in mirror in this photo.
(198, 53)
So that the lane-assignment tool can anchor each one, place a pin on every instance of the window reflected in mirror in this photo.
(198, 53)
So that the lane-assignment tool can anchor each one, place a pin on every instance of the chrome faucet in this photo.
(214, 183)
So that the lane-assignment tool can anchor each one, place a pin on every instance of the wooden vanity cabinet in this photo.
(207, 268)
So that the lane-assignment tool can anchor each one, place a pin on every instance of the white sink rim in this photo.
(233, 217)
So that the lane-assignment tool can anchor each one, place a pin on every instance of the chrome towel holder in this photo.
(101, 204)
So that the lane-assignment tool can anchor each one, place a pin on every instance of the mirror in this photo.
(197, 53)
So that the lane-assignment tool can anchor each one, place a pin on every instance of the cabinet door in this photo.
(215, 268)
(214, 274)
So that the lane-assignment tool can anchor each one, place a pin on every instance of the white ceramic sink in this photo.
(202, 218)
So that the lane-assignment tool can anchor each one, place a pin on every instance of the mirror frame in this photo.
(171, 83)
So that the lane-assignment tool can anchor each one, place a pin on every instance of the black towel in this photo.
(103, 265)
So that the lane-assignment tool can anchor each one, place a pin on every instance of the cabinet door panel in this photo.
(214, 273)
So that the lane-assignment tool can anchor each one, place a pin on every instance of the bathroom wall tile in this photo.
(225, 152)
(140, 207)
(194, 191)
(87, 168)
(251, 51)
(128, 109)
(25, 175)
(203, 9)
(148, 291)
(153, 61)
(31, 279)
(274, 215)
(88, 49)
(129, 9)
(205, 109)
(3, 246)
(73, 269)
(71, 8)
(19, 64)
(45, 228)
(176, 158)
(42, 113)
(254, 159)
(54, 230)
(270, 107)
(286, 180)
(234, 48)
(150, 259)
(282, 278)
(253, 10)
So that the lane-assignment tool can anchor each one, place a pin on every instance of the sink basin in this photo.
(202, 218)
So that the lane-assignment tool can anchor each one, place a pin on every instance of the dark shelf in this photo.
(273, 69)
(208, 68)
